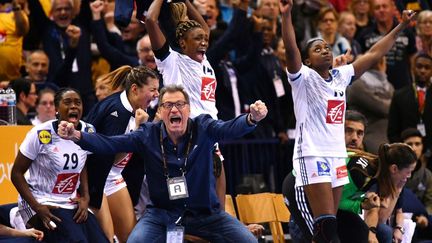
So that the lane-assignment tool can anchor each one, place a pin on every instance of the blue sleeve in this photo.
(101, 144)
(220, 130)
(114, 56)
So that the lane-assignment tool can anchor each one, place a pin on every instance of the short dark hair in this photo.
(353, 115)
(172, 88)
(59, 95)
(305, 51)
(20, 85)
(410, 132)
(423, 55)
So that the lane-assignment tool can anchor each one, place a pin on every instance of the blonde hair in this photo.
(422, 16)
(178, 12)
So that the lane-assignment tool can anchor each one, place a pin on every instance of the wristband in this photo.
(252, 121)
(16, 8)
(373, 229)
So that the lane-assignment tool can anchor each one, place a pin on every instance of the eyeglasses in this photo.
(169, 105)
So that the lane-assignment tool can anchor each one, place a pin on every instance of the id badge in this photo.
(280, 91)
(177, 188)
(175, 235)
(422, 129)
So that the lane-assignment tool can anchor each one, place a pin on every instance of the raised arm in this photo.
(380, 48)
(157, 38)
(21, 20)
(193, 14)
(292, 52)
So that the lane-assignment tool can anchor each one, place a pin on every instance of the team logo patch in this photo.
(89, 130)
(44, 136)
(335, 111)
(208, 89)
(123, 162)
(341, 172)
(323, 168)
(66, 183)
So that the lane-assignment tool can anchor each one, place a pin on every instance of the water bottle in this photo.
(11, 106)
(3, 107)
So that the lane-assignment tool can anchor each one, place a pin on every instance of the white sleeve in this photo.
(297, 78)
(348, 73)
(31, 146)
(169, 68)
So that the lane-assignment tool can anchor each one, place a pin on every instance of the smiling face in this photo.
(70, 107)
(347, 25)
(145, 52)
(175, 117)
(195, 44)
(62, 13)
(140, 97)
(212, 13)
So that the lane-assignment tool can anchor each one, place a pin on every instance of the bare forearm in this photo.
(193, 14)
(154, 11)
(291, 50)
(84, 191)
(23, 189)
(386, 43)
(21, 23)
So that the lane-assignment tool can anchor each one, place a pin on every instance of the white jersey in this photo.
(54, 174)
(198, 79)
(319, 107)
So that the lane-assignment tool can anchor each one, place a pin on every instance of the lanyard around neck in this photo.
(164, 160)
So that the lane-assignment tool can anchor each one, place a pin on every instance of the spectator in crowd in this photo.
(347, 28)
(26, 97)
(386, 222)
(371, 95)
(65, 38)
(363, 16)
(418, 193)
(114, 116)
(11, 235)
(45, 109)
(115, 53)
(36, 66)
(319, 94)
(411, 106)
(198, 210)
(54, 196)
(13, 26)
(424, 32)
(328, 30)
(269, 8)
(399, 57)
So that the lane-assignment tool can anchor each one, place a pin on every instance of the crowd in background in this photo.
(46, 45)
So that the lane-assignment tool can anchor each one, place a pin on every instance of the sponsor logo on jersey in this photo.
(335, 111)
(323, 168)
(123, 162)
(119, 181)
(56, 149)
(208, 89)
(114, 113)
(341, 172)
(66, 183)
(44, 136)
